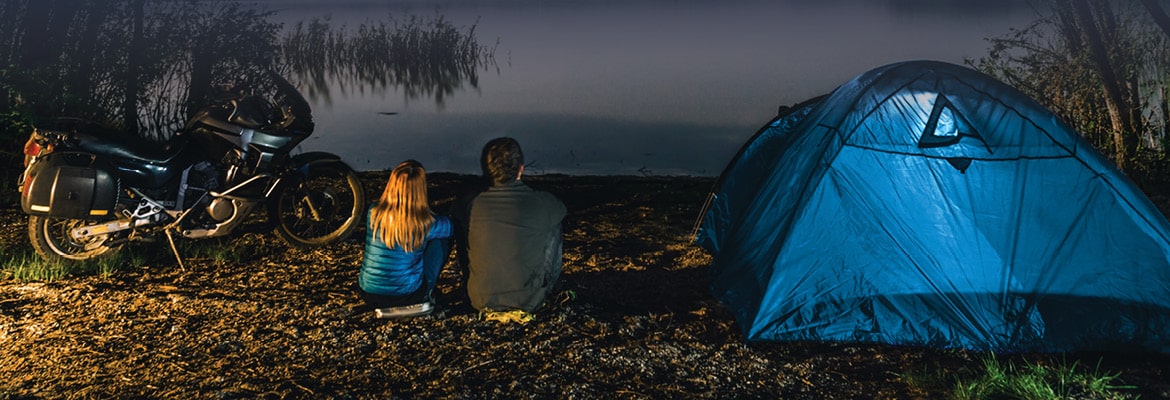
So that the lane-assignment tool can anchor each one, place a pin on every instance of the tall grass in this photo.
(996, 379)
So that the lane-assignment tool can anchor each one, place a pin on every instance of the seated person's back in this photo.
(514, 237)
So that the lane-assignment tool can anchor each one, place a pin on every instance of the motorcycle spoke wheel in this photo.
(51, 238)
(321, 208)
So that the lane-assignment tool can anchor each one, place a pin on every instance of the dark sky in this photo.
(673, 87)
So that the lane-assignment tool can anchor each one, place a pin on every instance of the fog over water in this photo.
(633, 87)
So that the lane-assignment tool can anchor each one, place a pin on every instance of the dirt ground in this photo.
(270, 322)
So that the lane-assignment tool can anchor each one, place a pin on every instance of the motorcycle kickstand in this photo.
(170, 239)
(174, 249)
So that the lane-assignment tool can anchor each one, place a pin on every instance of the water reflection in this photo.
(589, 86)
(623, 87)
(145, 65)
(423, 57)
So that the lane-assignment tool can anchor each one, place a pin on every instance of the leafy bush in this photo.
(1151, 171)
(14, 130)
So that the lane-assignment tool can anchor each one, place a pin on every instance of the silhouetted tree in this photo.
(1090, 25)
(131, 75)
(1090, 62)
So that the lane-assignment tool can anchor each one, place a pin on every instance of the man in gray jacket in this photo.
(513, 236)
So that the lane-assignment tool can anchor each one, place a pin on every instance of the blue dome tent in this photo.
(925, 203)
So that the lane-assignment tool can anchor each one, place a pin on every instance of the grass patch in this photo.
(122, 260)
(30, 267)
(220, 250)
(996, 379)
(22, 263)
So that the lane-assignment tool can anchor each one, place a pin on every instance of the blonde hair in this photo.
(402, 216)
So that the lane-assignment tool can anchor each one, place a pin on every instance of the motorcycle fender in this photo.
(70, 185)
(304, 160)
(301, 163)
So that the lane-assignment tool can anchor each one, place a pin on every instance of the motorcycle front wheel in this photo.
(52, 240)
(320, 207)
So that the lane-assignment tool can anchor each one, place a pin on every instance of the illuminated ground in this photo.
(264, 321)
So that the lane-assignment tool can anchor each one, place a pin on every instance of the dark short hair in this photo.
(502, 160)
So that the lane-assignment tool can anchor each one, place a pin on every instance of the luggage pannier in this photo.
(70, 185)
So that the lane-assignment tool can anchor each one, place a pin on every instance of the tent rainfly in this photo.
(925, 203)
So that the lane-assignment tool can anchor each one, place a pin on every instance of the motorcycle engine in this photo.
(206, 178)
(203, 178)
(220, 209)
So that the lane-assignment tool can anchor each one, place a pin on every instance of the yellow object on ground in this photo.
(519, 316)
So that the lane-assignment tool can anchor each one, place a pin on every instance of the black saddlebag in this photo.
(70, 185)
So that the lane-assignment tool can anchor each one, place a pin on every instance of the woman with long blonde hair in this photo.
(406, 246)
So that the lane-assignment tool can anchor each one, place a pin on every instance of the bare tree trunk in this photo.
(1165, 108)
(42, 40)
(1158, 14)
(133, 65)
(201, 67)
(10, 30)
(1123, 65)
(95, 16)
(1067, 24)
(1124, 139)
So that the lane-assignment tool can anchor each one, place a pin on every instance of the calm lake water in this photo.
(633, 87)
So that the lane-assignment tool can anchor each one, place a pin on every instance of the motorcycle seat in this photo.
(118, 145)
(90, 136)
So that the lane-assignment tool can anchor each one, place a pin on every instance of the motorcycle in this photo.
(88, 189)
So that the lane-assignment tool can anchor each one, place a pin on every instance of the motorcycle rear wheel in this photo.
(319, 208)
(51, 239)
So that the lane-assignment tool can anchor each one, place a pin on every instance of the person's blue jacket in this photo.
(393, 271)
